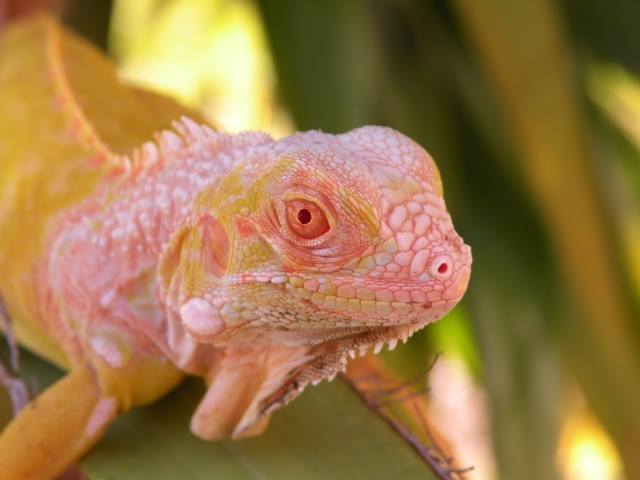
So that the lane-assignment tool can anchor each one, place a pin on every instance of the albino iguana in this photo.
(257, 264)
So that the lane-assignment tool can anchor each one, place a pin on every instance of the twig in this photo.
(11, 341)
(384, 398)
(9, 373)
(380, 400)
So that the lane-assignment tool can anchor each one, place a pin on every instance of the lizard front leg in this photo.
(250, 381)
(57, 427)
(236, 385)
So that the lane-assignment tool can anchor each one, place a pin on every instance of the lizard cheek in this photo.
(201, 318)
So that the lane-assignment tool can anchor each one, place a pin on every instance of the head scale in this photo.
(318, 236)
(325, 243)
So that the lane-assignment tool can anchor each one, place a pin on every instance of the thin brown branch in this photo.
(384, 398)
(9, 371)
(388, 398)
(14, 352)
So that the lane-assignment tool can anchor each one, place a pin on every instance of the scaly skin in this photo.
(258, 264)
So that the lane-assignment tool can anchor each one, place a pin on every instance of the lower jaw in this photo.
(359, 340)
(389, 336)
(378, 308)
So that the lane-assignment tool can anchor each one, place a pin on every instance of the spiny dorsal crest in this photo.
(199, 139)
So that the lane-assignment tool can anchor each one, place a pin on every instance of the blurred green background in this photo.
(531, 109)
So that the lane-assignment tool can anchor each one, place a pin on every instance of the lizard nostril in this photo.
(441, 267)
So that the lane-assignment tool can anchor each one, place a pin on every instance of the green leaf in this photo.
(329, 91)
(611, 33)
(427, 88)
(327, 433)
(554, 154)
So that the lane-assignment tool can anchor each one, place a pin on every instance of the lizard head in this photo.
(322, 245)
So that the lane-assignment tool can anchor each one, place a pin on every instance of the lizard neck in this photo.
(140, 223)
(156, 192)
(101, 265)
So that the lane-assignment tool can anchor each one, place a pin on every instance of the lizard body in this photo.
(257, 264)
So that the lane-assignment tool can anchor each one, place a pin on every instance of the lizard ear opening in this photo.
(194, 260)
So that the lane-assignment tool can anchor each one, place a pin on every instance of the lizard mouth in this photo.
(353, 299)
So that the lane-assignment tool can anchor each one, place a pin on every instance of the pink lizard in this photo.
(257, 264)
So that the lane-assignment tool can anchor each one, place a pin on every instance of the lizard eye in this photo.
(306, 219)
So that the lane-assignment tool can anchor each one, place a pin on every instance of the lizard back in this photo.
(64, 119)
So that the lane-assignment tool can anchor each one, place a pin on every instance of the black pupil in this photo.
(304, 216)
